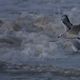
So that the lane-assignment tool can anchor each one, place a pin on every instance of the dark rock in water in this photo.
(2, 66)
(1, 22)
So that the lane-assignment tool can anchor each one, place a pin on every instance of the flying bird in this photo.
(72, 29)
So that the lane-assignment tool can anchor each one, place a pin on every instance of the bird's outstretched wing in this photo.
(66, 22)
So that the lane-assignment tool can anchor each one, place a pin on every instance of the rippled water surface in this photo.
(29, 32)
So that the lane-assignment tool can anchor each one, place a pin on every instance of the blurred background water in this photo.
(35, 40)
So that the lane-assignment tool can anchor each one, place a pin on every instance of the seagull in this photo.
(70, 28)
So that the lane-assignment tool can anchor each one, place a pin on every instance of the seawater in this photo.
(36, 41)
